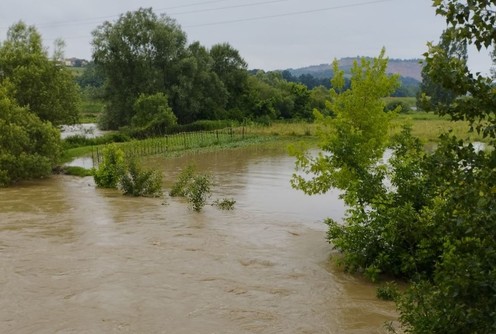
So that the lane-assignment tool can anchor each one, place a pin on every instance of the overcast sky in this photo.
(270, 34)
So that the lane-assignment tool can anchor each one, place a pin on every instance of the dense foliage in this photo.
(431, 93)
(152, 113)
(36, 93)
(40, 84)
(139, 182)
(425, 217)
(117, 171)
(142, 54)
(29, 147)
(111, 169)
(196, 188)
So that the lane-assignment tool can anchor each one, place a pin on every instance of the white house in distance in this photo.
(75, 62)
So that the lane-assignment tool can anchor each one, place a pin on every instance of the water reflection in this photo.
(84, 260)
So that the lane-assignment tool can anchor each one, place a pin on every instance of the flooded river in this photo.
(76, 259)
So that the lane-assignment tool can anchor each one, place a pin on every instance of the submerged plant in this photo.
(111, 169)
(225, 203)
(389, 291)
(198, 191)
(138, 182)
(179, 188)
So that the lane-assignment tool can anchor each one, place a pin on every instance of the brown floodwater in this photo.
(76, 259)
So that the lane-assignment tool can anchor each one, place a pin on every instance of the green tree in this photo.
(90, 77)
(138, 54)
(231, 69)
(269, 96)
(459, 296)
(39, 83)
(355, 138)
(427, 217)
(432, 93)
(318, 100)
(29, 147)
(198, 93)
(152, 113)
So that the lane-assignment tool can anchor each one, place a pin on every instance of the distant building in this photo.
(75, 62)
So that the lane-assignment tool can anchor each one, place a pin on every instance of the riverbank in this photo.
(427, 126)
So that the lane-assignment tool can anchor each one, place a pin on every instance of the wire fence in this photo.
(175, 142)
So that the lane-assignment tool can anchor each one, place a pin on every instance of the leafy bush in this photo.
(152, 115)
(111, 169)
(389, 291)
(179, 188)
(198, 191)
(225, 203)
(400, 106)
(196, 188)
(29, 147)
(138, 182)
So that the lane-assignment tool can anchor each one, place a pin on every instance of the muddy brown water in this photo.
(76, 259)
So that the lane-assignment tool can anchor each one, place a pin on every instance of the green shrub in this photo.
(198, 191)
(195, 187)
(225, 203)
(389, 291)
(138, 182)
(29, 147)
(111, 169)
(400, 106)
(180, 187)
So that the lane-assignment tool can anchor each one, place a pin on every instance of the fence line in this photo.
(175, 142)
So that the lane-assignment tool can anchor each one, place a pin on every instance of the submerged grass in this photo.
(427, 126)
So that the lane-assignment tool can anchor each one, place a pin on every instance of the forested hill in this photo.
(404, 67)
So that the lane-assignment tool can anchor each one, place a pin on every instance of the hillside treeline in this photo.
(144, 56)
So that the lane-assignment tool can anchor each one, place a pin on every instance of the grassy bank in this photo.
(426, 126)
(174, 144)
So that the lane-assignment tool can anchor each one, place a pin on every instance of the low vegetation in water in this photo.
(179, 188)
(139, 182)
(197, 189)
(110, 170)
(388, 291)
(225, 203)
(127, 175)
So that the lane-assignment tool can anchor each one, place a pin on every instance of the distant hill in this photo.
(405, 67)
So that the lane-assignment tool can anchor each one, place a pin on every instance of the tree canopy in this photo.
(138, 54)
(144, 53)
(427, 217)
(40, 84)
(29, 147)
(36, 93)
